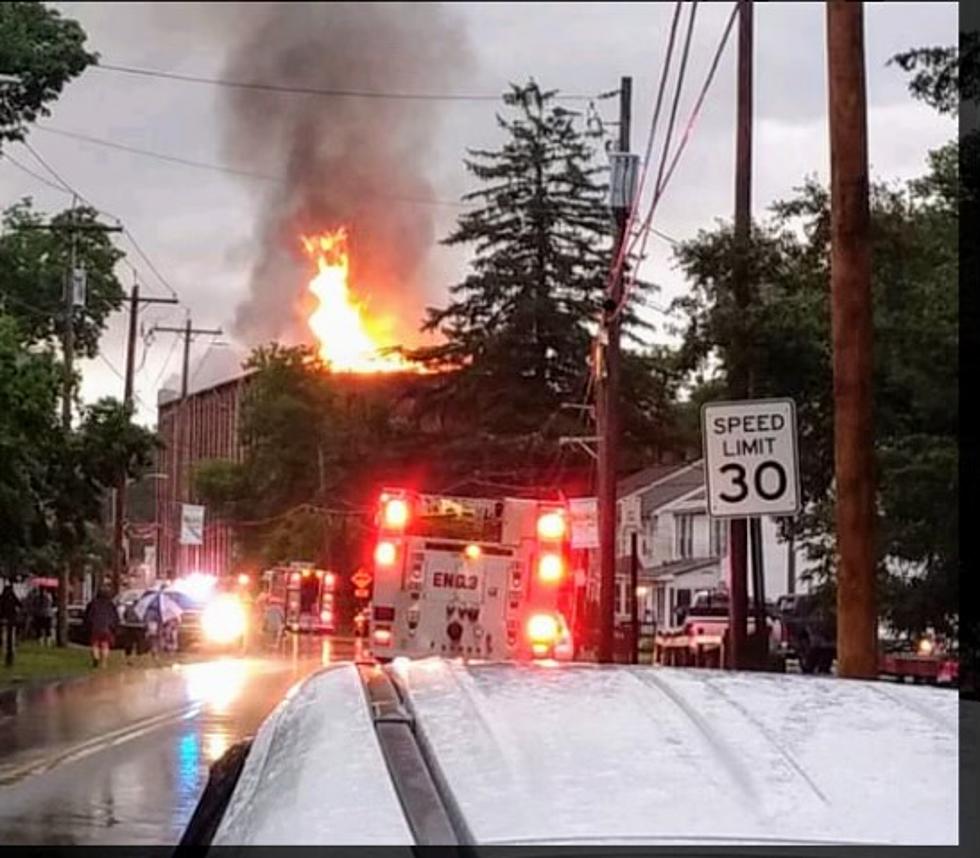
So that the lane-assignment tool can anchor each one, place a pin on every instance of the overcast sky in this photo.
(198, 227)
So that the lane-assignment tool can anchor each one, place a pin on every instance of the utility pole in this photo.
(635, 599)
(119, 513)
(187, 332)
(738, 373)
(851, 318)
(622, 188)
(68, 384)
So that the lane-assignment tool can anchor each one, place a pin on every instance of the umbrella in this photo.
(167, 607)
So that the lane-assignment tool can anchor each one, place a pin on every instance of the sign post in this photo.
(751, 465)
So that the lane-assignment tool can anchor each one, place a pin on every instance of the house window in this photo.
(719, 537)
(684, 535)
(623, 605)
(661, 606)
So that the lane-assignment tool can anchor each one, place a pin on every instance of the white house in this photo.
(680, 548)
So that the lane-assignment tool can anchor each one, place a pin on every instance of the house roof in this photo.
(653, 474)
(679, 567)
(671, 487)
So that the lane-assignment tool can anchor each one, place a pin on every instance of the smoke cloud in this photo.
(361, 162)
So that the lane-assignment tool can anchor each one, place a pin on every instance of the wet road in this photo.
(123, 758)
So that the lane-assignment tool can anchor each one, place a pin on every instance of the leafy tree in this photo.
(787, 332)
(288, 463)
(83, 467)
(29, 384)
(43, 51)
(34, 266)
(518, 328)
(944, 75)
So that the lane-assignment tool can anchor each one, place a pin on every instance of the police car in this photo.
(438, 751)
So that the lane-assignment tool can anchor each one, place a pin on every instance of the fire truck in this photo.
(470, 577)
(303, 595)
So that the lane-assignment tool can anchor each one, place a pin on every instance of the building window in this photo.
(719, 537)
(682, 600)
(661, 612)
(684, 536)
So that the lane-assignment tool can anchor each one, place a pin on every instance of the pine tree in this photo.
(518, 329)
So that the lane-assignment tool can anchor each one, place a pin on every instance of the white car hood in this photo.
(587, 754)
(315, 774)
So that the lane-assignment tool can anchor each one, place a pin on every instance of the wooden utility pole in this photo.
(119, 511)
(635, 599)
(739, 372)
(187, 331)
(851, 320)
(68, 386)
(608, 390)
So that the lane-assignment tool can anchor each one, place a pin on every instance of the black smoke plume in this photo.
(361, 162)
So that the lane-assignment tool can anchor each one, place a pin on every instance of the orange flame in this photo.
(348, 340)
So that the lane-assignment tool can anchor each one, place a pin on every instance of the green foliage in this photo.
(84, 466)
(34, 265)
(44, 51)
(788, 351)
(28, 407)
(944, 75)
(518, 328)
(290, 429)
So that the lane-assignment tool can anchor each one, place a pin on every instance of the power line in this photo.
(621, 256)
(305, 90)
(644, 233)
(53, 172)
(677, 97)
(125, 230)
(166, 363)
(149, 262)
(121, 377)
(174, 159)
(224, 168)
(8, 157)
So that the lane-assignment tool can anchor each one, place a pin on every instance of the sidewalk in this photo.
(36, 665)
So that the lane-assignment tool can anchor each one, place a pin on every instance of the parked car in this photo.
(440, 752)
(808, 632)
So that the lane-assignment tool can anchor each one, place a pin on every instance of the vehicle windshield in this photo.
(457, 518)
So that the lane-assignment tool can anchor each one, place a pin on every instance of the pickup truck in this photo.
(808, 632)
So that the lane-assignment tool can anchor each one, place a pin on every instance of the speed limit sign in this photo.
(750, 458)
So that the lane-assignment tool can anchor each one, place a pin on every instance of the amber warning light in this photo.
(551, 525)
(396, 513)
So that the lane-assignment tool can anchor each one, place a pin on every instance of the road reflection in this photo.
(217, 684)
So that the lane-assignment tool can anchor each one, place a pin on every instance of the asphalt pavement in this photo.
(123, 758)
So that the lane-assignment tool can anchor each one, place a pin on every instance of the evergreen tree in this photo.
(518, 328)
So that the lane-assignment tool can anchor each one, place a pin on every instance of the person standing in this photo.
(154, 631)
(102, 619)
(9, 617)
(43, 614)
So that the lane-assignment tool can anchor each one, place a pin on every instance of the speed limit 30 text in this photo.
(744, 425)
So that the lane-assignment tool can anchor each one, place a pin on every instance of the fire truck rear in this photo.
(472, 577)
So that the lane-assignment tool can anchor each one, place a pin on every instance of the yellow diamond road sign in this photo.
(361, 579)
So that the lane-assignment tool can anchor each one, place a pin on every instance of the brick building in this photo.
(203, 426)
